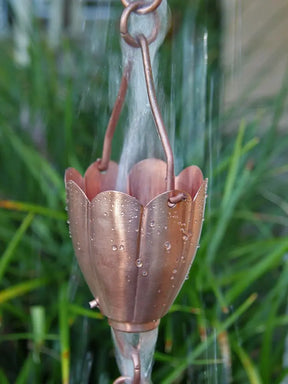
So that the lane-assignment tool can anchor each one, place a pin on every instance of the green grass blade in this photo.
(21, 289)
(25, 373)
(3, 378)
(234, 166)
(64, 334)
(38, 329)
(33, 208)
(38, 166)
(248, 365)
(258, 270)
(77, 310)
(9, 252)
(177, 372)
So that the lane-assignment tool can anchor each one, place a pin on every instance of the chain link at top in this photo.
(144, 8)
(133, 7)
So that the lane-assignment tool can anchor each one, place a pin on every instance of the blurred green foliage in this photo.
(229, 322)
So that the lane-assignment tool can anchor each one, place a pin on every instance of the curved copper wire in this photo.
(144, 45)
(133, 7)
(106, 153)
(122, 380)
(145, 8)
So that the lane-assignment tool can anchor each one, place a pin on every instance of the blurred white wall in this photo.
(255, 53)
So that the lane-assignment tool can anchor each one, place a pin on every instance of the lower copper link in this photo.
(135, 356)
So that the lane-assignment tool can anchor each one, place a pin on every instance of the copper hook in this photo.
(135, 356)
(134, 7)
(122, 380)
(156, 112)
(106, 153)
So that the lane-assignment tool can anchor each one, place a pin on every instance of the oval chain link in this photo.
(144, 8)
(133, 7)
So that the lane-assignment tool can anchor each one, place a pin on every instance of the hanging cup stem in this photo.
(170, 177)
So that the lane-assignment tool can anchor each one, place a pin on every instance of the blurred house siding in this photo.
(3, 17)
(57, 17)
(255, 53)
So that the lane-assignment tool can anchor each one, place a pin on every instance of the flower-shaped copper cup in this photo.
(134, 249)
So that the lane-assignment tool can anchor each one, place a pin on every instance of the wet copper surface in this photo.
(135, 257)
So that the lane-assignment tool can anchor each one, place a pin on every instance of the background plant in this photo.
(229, 322)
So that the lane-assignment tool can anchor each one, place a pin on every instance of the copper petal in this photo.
(96, 181)
(163, 253)
(190, 180)
(168, 245)
(79, 217)
(147, 180)
(115, 221)
(74, 175)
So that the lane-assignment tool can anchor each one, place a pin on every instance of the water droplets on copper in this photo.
(139, 263)
(167, 245)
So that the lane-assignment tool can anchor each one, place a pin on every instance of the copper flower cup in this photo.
(134, 249)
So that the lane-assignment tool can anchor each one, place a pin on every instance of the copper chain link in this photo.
(135, 6)
(144, 7)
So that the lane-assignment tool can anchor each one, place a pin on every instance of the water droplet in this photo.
(187, 277)
(139, 263)
(198, 246)
(172, 278)
(167, 245)
(114, 247)
(165, 227)
(175, 271)
(137, 230)
(105, 213)
(159, 291)
(144, 273)
(152, 224)
(68, 221)
(185, 237)
(122, 213)
(121, 247)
